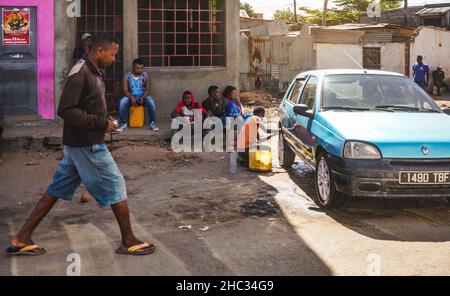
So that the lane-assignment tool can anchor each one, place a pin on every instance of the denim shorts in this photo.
(96, 169)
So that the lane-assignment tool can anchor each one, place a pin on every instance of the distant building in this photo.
(437, 15)
(273, 55)
(187, 44)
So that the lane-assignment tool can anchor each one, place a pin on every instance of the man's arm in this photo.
(127, 93)
(68, 106)
(146, 92)
(175, 114)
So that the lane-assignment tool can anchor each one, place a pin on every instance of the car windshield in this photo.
(375, 92)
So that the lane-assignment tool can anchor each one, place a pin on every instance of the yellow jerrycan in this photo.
(260, 158)
(137, 117)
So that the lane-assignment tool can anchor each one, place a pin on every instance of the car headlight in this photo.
(359, 150)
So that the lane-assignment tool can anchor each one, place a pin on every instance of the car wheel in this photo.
(286, 156)
(327, 195)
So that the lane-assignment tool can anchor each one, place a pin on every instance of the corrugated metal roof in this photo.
(433, 11)
(377, 37)
(326, 35)
(362, 26)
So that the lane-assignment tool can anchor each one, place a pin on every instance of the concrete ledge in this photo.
(39, 138)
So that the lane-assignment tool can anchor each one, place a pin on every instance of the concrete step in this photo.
(40, 138)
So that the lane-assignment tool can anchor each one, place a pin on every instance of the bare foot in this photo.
(85, 198)
(25, 243)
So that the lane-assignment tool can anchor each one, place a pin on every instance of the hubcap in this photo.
(323, 180)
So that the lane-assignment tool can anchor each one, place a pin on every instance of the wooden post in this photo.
(325, 12)
(405, 14)
(295, 11)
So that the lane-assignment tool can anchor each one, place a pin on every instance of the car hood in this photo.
(396, 134)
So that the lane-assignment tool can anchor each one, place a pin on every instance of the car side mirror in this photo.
(303, 110)
(447, 111)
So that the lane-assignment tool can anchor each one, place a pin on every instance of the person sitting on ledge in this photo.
(136, 87)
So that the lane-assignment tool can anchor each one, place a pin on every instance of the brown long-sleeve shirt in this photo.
(83, 106)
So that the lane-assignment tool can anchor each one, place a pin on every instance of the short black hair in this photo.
(104, 41)
(259, 110)
(419, 56)
(212, 88)
(139, 62)
(228, 90)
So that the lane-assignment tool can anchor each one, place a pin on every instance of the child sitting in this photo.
(250, 134)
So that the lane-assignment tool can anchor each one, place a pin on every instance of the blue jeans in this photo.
(96, 169)
(124, 109)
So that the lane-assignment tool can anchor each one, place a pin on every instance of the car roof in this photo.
(327, 72)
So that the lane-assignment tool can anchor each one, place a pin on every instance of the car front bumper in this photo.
(380, 178)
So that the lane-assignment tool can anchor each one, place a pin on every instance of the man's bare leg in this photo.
(43, 207)
(122, 214)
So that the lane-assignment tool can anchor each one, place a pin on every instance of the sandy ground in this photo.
(258, 224)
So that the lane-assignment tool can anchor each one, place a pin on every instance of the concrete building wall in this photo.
(336, 56)
(168, 84)
(393, 57)
(64, 46)
(434, 45)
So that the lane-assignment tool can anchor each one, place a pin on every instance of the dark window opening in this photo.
(105, 17)
(433, 21)
(372, 58)
(174, 33)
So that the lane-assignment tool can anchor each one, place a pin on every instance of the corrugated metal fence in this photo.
(275, 60)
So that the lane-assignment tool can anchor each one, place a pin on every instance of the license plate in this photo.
(430, 178)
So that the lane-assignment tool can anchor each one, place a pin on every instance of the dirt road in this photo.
(258, 224)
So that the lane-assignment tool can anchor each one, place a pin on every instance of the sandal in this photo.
(137, 250)
(32, 250)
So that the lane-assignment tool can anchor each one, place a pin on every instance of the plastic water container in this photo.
(260, 159)
(233, 162)
(137, 117)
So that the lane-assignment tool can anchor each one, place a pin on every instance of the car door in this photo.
(303, 124)
(287, 110)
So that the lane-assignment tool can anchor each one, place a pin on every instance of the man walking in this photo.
(86, 157)
(421, 73)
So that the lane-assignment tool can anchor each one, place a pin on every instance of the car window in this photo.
(309, 93)
(295, 92)
(374, 91)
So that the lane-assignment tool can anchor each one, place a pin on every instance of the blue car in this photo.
(366, 134)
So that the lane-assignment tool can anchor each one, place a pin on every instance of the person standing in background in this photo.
(83, 50)
(421, 73)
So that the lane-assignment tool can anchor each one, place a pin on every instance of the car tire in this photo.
(286, 156)
(327, 195)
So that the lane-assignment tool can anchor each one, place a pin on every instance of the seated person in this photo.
(438, 80)
(187, 106)
(252, 133)
(215, 103)
(136, 86)
(186, 109)
(233, 107)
